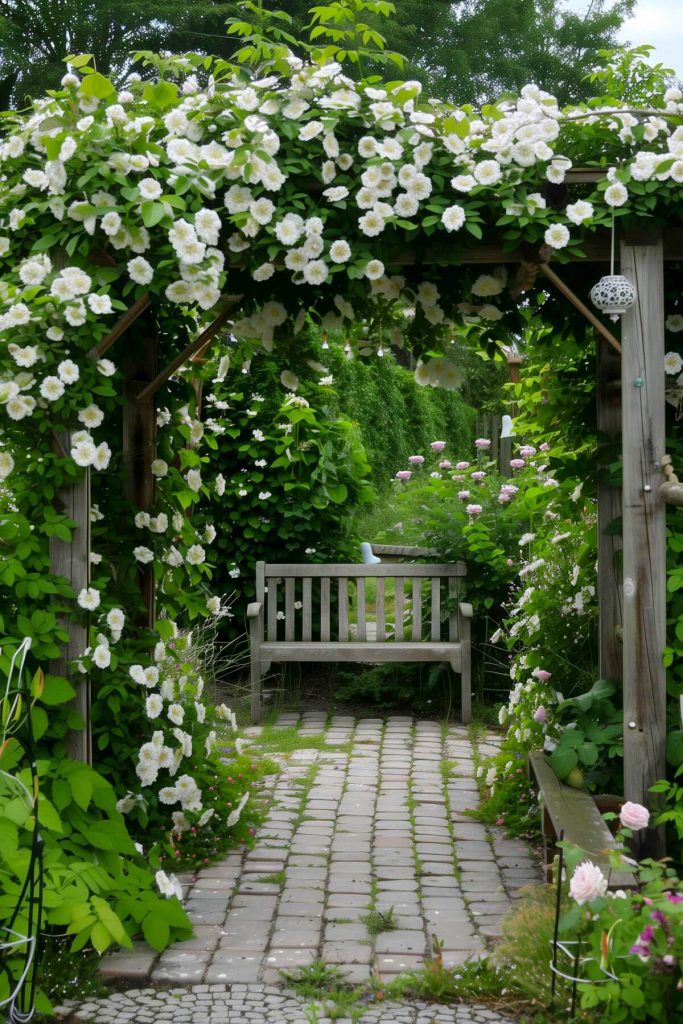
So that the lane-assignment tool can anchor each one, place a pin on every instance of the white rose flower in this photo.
(154, 705)
(616, 194)
(453, 218)
(89, 598)
(159, 468)
(102, 656)
(143, 554)
(139, 270)
(193, 478)
(557, 236)
(195, 555)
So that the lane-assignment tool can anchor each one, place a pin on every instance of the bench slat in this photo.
(417, 609)
(361, 631)
(343, 602)
(289, 608)
(307, 617)
(272, 608)
(380, 620)
(436, 608)
(325, 609)
(407, 570)
(398, 601)
(365, 651)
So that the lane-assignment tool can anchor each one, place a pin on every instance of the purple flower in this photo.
(482, 443)
(473, 510)
(462, 465)
(437, 446)
(517, 463)
(504, 496)
(416, 460)
(403, 475)
(463, 495)
(478, 474)
(527, 450)
(674, 897)
(445, 464)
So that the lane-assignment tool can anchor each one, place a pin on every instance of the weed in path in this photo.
(288, 740)
(327, 986)
(378, 921)
(277, 878)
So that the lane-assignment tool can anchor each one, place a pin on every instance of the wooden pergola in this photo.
(632, 609)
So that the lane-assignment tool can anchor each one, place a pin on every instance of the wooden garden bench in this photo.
(292, 619)
(574, 812)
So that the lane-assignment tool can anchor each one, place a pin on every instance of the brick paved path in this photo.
(381, 828)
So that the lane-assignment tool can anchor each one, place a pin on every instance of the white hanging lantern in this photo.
(613, 295)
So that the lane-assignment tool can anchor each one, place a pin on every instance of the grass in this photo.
(288, 740)
(277, 878)
(327, 987)
(378, 921)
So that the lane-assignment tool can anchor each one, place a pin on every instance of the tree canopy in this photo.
(465, 51)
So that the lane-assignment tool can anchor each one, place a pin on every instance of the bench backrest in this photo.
(330, 602)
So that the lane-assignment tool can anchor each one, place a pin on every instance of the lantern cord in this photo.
(612, 252)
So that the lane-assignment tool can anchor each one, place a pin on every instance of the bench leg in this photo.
(466, 670)
(256, 702)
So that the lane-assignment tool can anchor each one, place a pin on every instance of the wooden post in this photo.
(644, 588)
(72, 560)
(139, 434)
(609, 509)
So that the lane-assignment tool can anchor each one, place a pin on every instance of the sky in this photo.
(658, 22)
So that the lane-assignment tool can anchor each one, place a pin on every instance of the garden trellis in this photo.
(201, 194)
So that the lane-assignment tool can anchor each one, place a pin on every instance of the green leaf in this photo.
(100, 937)
(152, 213)
(81, 787)
(97, 85)
(57, 691)
(674, 747)
(156, 930)
(562, 761)
(79, 60)
(161, 94)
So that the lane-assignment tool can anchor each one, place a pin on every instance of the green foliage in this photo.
(424, 689)
(344, 27)
(509, 800)
(479, 980)
(98, 889)
(523, 952)
(379, 921)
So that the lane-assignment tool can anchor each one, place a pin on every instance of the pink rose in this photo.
(482, 443)
(473, 510)
(416, 460)
(588, 882)
(634, 816)
(540, 714)
(437, 446)
(462, 465)
(403, 474)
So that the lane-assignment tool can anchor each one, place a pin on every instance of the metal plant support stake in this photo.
(18, 947)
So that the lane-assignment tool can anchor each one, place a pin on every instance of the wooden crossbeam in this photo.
(121, 326)
(200, 342)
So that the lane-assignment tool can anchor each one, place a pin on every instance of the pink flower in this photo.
(504, 496)
(403, 474)
(457, 476)
(437, 446)
(416, 460)
(445, 464)
(541, 674)
(634, 816)
(482, 443)
(509, 562)
(509, 488)
(588, 882)
(463, 495)
(462, 465)
(473, 510)
(540, 714)
(527, 450)
(545, 447)
(517, 463)
(478, 475)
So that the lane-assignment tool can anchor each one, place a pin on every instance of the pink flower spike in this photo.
(416, 460)
(437, 446)
(482, 443)
(634, 816)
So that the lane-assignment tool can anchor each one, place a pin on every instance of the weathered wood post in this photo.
(644, 572)
(139, 436)
(609, 509)
(72, 560)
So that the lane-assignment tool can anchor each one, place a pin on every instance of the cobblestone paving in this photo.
(382, 827)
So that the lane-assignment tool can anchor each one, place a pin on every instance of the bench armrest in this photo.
(465, 610)
(254, 609)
